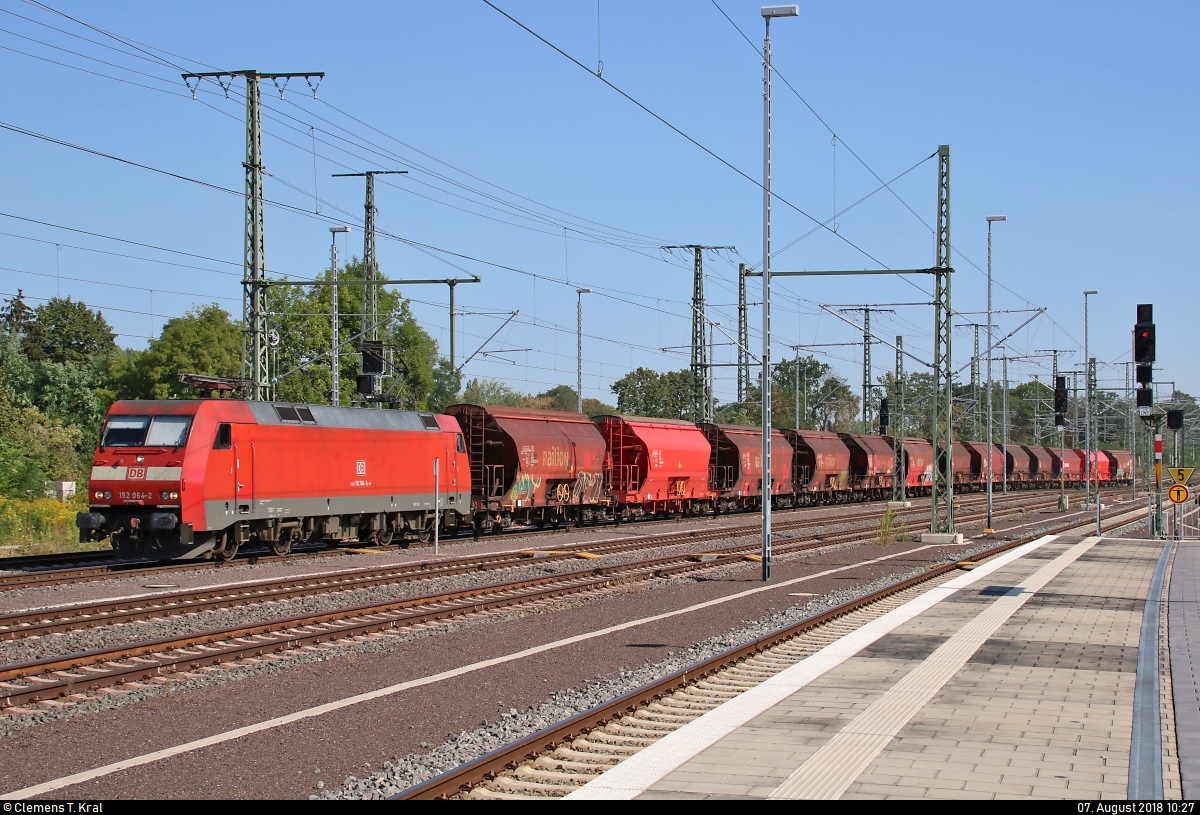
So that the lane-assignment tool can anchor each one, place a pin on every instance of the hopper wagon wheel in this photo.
(540, 521)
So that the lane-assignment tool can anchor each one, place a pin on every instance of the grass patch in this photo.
(890, 529)
(42, 526)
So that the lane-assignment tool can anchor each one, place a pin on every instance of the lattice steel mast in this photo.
(370, 290)
(255, 348)
(898, 474)
(942, 492)
(701, 397)
(743, 337)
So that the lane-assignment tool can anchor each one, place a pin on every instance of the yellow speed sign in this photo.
(1178, 494)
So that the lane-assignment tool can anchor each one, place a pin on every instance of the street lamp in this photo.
(991, 452)
(1087, 415)
(579, 293)
(768, 12)
(335, 395)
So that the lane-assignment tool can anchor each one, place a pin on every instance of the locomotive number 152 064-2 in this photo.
(135, 496)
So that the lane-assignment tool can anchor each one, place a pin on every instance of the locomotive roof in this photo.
(329, 416)
(292, 413)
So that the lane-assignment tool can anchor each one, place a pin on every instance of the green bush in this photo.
(40, 526)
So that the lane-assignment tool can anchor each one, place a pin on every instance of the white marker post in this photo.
(437, 506)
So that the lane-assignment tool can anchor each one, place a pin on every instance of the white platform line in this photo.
(640, 771)
(319, 710)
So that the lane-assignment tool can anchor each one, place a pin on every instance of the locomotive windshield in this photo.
(146, 431)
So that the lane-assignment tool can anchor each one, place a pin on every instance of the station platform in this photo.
(1052, 671)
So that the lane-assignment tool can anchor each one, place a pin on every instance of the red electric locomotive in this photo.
(178, 479)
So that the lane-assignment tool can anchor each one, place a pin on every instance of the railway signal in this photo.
(1144, 353)
(1143, 335)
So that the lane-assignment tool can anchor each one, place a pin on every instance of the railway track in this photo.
(79, 567)
(553, 762)
(47, 680)
(82, 567)
(85, 615)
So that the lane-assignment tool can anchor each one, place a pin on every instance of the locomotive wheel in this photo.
(282, 547)
(424, 535)
(229, 552)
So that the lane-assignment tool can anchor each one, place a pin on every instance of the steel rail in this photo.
(189, 601)
(109, 571)
(486, 767)
(68, 674)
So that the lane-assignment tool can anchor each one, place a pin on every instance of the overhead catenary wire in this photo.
(683, 134)
(414, 245)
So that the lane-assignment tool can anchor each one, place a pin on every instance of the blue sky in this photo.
(1078, 121)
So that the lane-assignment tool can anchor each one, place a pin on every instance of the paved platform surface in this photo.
(1015, 680)
(1184, 639)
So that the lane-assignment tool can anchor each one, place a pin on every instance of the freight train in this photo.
(202, 478)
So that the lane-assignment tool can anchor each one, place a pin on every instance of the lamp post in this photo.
(579, 293)
(1087, 410)
(335, 394)
(991, 451)
(768, 12)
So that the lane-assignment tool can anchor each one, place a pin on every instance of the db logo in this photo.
(137, 474)
(360, 468)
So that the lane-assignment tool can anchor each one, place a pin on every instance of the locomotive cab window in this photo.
(461, 447)
(224, 437)
(146, 431)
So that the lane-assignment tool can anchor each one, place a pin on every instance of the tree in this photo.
(203, 341)
(645, 392)
(594, 407)
(16, 316)
(491, 392)
(67, 331)
(17, 374)
(69, 393)
(301, 314)
(447, 383)
(560, 397)
(34, 449)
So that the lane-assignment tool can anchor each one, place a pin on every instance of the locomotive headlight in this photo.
(98, 494)
(174, 496)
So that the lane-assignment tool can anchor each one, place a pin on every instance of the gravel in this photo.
(448, 755)
(11, 724)
(29, 649)
(465, 746)
(514, 724)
